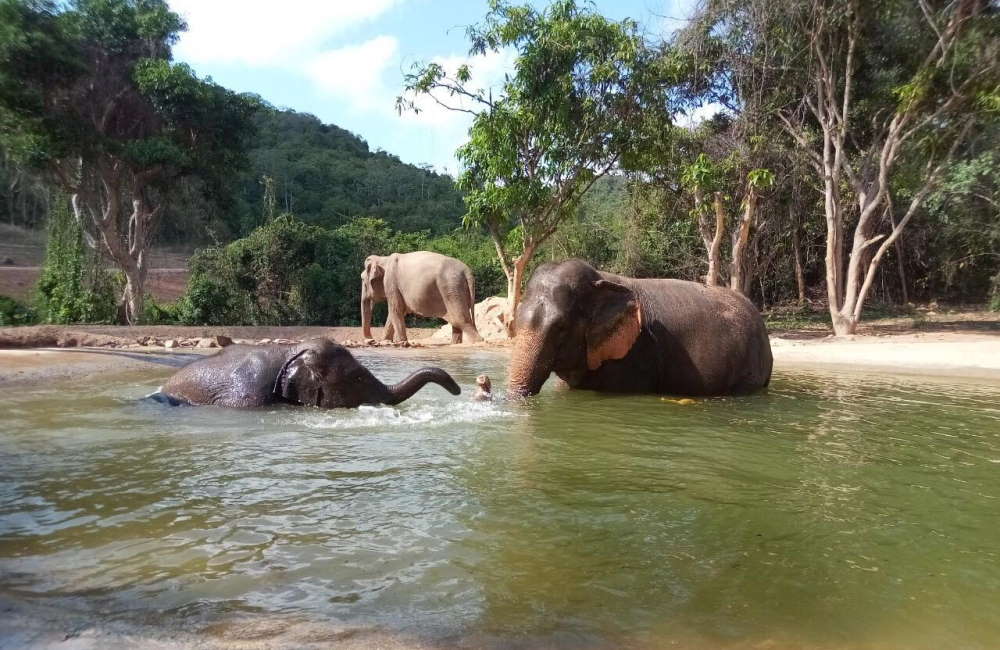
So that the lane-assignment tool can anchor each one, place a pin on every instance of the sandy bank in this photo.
(954, 354)
(946, 354)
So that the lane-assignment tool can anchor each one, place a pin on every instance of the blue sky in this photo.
(344, 60)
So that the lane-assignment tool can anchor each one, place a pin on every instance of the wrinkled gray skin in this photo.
(422, 283)
(612, 333)
(315, 373)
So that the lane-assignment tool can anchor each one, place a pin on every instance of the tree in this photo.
(89, 95)
(936, 70)
(583, 95)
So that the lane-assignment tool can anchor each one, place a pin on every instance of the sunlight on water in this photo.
(832, 511)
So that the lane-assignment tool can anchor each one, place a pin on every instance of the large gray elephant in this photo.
(611, 333)
(315, 373)
(423, 283)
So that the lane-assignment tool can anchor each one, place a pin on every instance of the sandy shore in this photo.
(947, 354)
(950, 354)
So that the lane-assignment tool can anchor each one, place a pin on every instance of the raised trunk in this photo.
(405, 389)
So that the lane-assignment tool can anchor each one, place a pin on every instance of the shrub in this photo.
(288, 272)
(14, 313)
(74, 286)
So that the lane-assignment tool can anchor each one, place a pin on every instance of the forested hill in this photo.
(327, 175)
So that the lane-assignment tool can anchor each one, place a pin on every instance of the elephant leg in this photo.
(456, 334)
(397, 323)
(470, 334)
(387, 330)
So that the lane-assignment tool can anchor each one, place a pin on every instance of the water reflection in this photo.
(832, 511)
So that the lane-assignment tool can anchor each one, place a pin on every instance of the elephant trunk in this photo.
(405, 389)
(529, 367)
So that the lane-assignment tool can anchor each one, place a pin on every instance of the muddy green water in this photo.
(832, 511)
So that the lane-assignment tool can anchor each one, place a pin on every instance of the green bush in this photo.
(74, 286)
(288, 272)
(14, 313)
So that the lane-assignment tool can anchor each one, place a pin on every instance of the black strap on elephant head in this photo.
(276, 390)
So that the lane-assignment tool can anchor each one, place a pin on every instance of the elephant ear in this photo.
(615, 323)
(285, 384)
(373, 269)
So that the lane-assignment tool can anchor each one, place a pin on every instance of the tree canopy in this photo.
(89, 96)
(583, 94)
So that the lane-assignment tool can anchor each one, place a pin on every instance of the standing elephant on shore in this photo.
(422, 283)
(611, 333)
(315, 373)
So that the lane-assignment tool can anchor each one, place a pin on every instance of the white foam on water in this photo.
(406, 416)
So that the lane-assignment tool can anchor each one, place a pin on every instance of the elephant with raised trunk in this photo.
(422, 283)
(611, 333)
(315, 373)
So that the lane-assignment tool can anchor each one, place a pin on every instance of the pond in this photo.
(833, 511)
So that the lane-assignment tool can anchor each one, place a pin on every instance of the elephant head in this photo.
(327, 375)
(372, 290)
(570, 320)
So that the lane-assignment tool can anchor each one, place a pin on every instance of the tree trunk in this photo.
(800, 277)
(515, 284)
(128, 249)
(900, 262)
(737, 272)
(711, 238)
(133, 296)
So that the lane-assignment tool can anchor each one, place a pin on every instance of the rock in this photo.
(170, 344)
(8, 261)
(263, 341)
(207, 343)
(222, 340)
(491, 321)
(371, 342)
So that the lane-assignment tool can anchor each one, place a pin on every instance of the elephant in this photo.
(612, 333)
(314, 373)
(424, 283)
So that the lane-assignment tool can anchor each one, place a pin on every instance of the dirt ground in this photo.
(22, 253)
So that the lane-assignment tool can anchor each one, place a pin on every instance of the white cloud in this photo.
(263, 32)
(356, 73)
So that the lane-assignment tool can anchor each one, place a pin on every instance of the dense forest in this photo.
(846, 159)
(319, 172)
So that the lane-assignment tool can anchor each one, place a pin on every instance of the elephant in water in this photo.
(612, 333)
(315, 373)
(423, 283)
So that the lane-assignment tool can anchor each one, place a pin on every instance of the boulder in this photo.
(491, 321)
(207, 343)
(171, 343)
(222, 340)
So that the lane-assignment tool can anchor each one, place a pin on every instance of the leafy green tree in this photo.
(574, 109)
(89, 95)
(880, 82)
